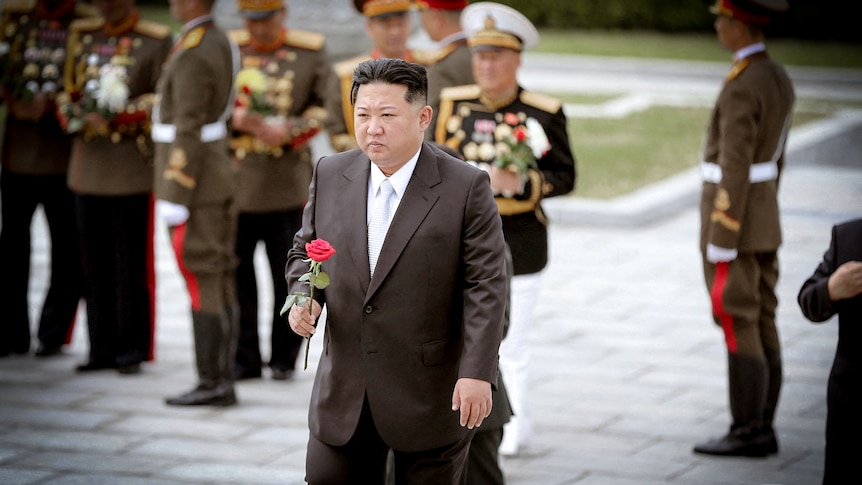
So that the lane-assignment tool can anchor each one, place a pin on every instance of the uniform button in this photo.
(369, 309)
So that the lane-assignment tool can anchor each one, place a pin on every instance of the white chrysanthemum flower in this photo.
(537, 138)
(113, 93)
(252, 79)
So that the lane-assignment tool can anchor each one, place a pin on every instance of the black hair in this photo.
(392, 71)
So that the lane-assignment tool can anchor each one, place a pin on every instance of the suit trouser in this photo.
(276, 231)
(117, 236)
(204, 249)
(743, 299)
(362, 460)
(20, 195)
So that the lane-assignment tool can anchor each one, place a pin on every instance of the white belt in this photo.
(164, 133)
(759, 172)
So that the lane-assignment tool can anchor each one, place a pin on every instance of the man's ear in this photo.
(425, 114)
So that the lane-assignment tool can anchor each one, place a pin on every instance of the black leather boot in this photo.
(210, 354)
(748, 391)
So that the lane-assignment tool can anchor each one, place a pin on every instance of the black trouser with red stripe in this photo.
(276, 231)
(21, 195)
(117, 237)
(743, 305)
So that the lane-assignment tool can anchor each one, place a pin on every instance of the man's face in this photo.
(388, 128)
(495, 70)
(389, 33)
(430, 22)
(114, 11)
(180, 9)
(266, 31)
(728, 31)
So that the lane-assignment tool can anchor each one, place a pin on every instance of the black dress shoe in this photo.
(282, 374)
(91, 366)
(241, 373)
(221, 395)
(45, 350)
(734, 443)
(771, 441)
(129, 369)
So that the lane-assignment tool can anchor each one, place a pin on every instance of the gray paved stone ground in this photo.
(628, 370)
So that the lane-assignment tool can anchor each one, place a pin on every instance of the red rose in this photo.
(520, 134)
(246, 89)
(319, 250)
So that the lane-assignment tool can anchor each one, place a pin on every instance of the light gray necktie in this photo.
(379, 222)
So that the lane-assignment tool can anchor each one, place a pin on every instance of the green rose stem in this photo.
(320, 251)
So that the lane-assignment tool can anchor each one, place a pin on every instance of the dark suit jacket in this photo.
(844, 399)
(432, 313)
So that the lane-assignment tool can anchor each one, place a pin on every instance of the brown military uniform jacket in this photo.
(274, 178)
(195, 97)
(744, 155)
(340, 121)
(452, 66)
(473, 126)
(34, 39)
(117, 159)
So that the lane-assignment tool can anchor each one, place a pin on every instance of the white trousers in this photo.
(515, 358)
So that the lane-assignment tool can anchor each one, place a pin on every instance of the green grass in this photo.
(702, 47)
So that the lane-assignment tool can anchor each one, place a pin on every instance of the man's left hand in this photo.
(473, 398)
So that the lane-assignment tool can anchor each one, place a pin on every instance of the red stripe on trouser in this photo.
(717, 296)
(151, 276)
(177, 239)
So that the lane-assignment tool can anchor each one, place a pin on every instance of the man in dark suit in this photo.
(411, 337)
(836, 287)
(740, 227)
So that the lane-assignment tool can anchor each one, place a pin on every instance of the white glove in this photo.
(716, 254)
(173, 214)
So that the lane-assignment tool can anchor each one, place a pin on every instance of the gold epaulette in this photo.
(542, 101)
(18, 6)
(441, 54)
(86, 10)
(457, 93)
(425, 57)
(193, 38)
(87, 24)
(152, 29)
(737, 69)
(345, 68)
(241, 37)
(305, 39)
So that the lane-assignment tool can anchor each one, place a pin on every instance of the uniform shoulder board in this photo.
(87, 24)
(425, 57)
(541, 101)
(441, 54)
(304, 39)
(86, 10)
(18, 6)
(240, 36)
(457, 93)
(345, 68)
(193, 38)
(152, 29)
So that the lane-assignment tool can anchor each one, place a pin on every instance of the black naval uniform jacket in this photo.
(470, 124)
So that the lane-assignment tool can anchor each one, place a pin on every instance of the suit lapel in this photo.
(353, 194)
(417, 201)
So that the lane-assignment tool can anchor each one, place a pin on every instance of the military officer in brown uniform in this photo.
(476, 120)
(740, 227)
(388, 24)
(451, 64)
(111, 71)
(35, 157)
(195, 187)
(270, 145)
